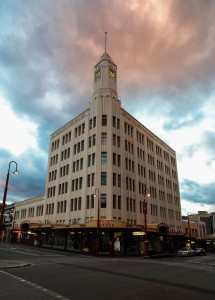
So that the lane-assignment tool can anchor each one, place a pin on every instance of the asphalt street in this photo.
(38, 273)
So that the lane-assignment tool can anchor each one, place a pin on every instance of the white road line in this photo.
(36, 286)
(23, 252)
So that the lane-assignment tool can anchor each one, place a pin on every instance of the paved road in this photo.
(57, 275)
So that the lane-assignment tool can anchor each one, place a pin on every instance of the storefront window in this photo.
(73, 241)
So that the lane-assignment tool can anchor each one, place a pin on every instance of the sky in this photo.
(164, 51)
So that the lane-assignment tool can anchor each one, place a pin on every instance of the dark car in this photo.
(199, 251)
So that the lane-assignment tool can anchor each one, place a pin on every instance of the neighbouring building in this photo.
(101, 166)
(209, 220)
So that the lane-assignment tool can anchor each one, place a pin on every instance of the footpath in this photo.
(7, 264)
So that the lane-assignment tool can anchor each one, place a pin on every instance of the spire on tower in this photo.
(105, 41)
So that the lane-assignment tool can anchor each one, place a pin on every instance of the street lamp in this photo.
(98, 221)
(5, 195)
(146, 243)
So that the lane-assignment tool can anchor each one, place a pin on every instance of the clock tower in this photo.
(105, 76)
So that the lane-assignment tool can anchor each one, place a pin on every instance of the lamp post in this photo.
(189, 231)
(98, 221)
(146, 243)
(5, 195)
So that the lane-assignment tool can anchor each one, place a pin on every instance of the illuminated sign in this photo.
(138, 233)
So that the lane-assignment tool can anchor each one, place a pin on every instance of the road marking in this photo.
(24, 252)
(13, 249)
(36, 286)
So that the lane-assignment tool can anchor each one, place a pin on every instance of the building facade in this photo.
(111, 183)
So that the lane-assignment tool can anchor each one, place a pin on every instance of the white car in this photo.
(186, 251)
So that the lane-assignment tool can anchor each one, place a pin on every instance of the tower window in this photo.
(103, 178)
(104, 157)
(104, 120)
(103, 200)
(104, 138)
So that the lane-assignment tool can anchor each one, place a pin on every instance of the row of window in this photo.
(140, 138)
(128, 129)
(92, 141)
(129, 147)
(29, 213)
(77, 184)
(54, 160)
(79, 147)
(76, 205)
(79, 130)
(66, 138)
(55, 145)
(129, 165)
(78, 165)
(91, 201)
(65, 154)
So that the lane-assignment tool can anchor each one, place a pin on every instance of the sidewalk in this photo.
(7, 264)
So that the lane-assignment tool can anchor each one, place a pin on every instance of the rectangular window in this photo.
(104, 138)
(103, 158)
(89, 160)
(88, 202)
(104, 120)
(94, 122)
(119, 202)
(114, 121)
(64, 205)
(93, 159)
(119, 160)
(80, 182)
(94, 140)
(90, 123)
(118, 123)
(92, 201)
(118, 141)
(79, 203)
(114, 140)
(114, 201)
(81, 163)
(114, 158)
(103, 200)
(93, 179)
(73, 185)
(103, 178)
(83, 128)
(119, 180)
(76, 204)
(114, 179)
(82, 145)
(90, 142)
(127, 203)
(88, 180)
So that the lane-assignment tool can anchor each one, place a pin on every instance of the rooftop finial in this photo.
(105, 41)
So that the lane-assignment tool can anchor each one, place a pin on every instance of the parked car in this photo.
(186, 251)
(199, 251)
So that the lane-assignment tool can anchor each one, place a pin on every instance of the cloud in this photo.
(30, 181)
(198, 193)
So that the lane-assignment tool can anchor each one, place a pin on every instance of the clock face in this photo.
(98, 74)
(112, 74)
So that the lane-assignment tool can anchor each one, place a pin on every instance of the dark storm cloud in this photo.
(31, 178)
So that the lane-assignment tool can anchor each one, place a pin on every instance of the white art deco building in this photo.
(102, 166)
